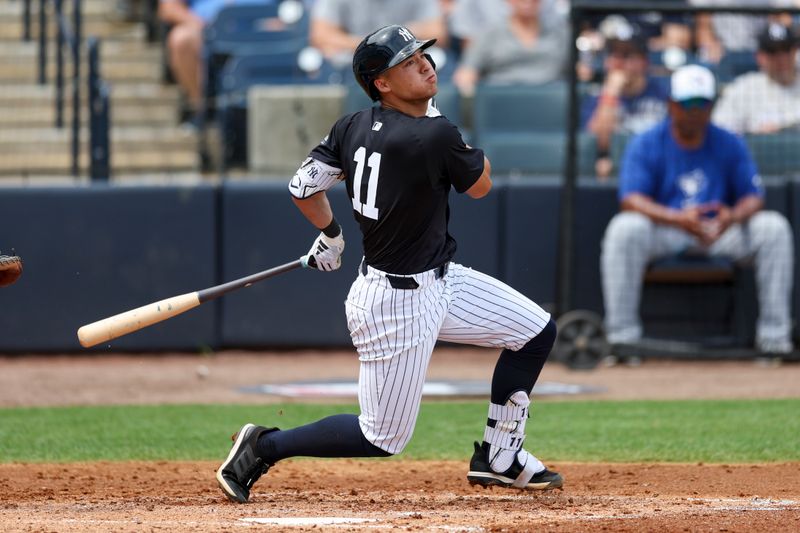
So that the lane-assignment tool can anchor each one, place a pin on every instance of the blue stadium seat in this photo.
(536, 153)
(247, 29)
(242, 29)
(777, 153)
(237, 77)
(734, 64)
(520, 108)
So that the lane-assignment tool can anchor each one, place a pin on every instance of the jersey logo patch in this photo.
(377, 126)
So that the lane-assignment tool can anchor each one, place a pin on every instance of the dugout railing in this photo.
(581, 341)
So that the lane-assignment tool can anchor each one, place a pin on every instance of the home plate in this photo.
(309, 520)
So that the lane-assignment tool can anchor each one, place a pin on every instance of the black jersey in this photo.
(399, 170)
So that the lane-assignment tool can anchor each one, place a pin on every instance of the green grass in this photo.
(671, 431)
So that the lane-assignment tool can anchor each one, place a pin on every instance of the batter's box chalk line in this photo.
(346, 521)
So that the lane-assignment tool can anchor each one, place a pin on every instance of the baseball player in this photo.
(399, 162)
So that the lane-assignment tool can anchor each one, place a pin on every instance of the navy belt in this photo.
(400, 282)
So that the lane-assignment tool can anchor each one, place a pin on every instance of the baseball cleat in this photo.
(242, 468)
(480, 473)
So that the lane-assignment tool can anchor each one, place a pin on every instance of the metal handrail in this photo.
(69, 33)
(99, 116)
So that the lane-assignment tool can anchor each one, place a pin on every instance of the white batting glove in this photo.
(326, 252)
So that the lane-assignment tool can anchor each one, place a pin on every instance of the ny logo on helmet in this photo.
(407, 35)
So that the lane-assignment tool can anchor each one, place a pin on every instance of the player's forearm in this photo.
(656, 212)
(483, 184)
(745, 208)
(330, 39)
(316, 208)
(176, 12)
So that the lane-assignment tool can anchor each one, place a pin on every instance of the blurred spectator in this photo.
(520, 49)
(630, 100)
(688, 186)
(766, 101)
(186, 19)
(720, 33)
(468, 18)
(337, 26)
(669, 35)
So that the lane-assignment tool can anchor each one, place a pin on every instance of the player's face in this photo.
(412, 80)
(779, 64)
(691, 117)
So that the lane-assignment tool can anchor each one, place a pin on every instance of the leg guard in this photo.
(505, 432)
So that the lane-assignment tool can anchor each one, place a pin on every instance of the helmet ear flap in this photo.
(430, 60)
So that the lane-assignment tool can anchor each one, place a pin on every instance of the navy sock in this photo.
(519, 370)
(334, 436)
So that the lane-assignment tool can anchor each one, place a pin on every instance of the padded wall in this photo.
(93, 252)
(530, 231)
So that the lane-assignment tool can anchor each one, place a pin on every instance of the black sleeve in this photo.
(459, 164)
(327, 151)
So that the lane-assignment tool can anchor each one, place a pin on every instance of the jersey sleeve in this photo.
(321, 170)
(746, 179)
(637, 173)
(461, 165)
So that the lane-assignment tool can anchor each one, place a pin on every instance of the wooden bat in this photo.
(141, 317)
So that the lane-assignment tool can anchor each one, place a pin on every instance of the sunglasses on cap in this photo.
(695, 103)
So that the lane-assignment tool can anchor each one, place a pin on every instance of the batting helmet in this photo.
(381, 50)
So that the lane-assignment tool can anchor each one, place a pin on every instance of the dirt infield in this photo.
(349, 495)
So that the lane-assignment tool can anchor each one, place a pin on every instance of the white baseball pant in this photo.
(395, 330)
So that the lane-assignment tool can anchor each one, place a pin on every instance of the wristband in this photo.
(609, 99)
(333, 229)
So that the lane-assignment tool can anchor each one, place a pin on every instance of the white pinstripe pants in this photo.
(395, 330)
(632, 240)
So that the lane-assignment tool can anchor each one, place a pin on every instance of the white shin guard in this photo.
(505, 433)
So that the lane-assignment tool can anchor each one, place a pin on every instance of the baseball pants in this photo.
(396, 329)
(632, 240)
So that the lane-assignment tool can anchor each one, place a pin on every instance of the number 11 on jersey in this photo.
(368, 209)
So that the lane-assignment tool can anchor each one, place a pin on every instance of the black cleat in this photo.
(242, 468)
(480, 473)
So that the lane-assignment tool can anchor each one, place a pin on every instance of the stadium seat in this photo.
(734, 64)
(520, 108)
(776, 154)
(535, 153)
(238, 76)
(266, 27)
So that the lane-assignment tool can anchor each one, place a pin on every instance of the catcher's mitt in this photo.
(10, 269)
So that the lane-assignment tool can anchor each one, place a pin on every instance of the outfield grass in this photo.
(673, 431)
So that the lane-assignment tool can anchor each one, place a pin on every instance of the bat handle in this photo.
(308, 261)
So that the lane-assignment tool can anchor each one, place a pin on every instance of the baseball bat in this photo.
(141, 317)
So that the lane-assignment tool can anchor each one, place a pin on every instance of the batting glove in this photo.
(326, 252)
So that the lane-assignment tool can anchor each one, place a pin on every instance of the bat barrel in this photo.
(135, 319)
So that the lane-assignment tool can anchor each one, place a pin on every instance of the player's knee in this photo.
(542, 343)
(771, 226)
(626, 229)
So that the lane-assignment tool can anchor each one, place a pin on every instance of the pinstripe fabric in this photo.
(395, 331)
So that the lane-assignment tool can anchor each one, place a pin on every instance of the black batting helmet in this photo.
(380, 51)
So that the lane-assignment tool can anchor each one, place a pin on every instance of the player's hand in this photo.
(691, 220)
(326, 252)
(718, 219)
(615, 82)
